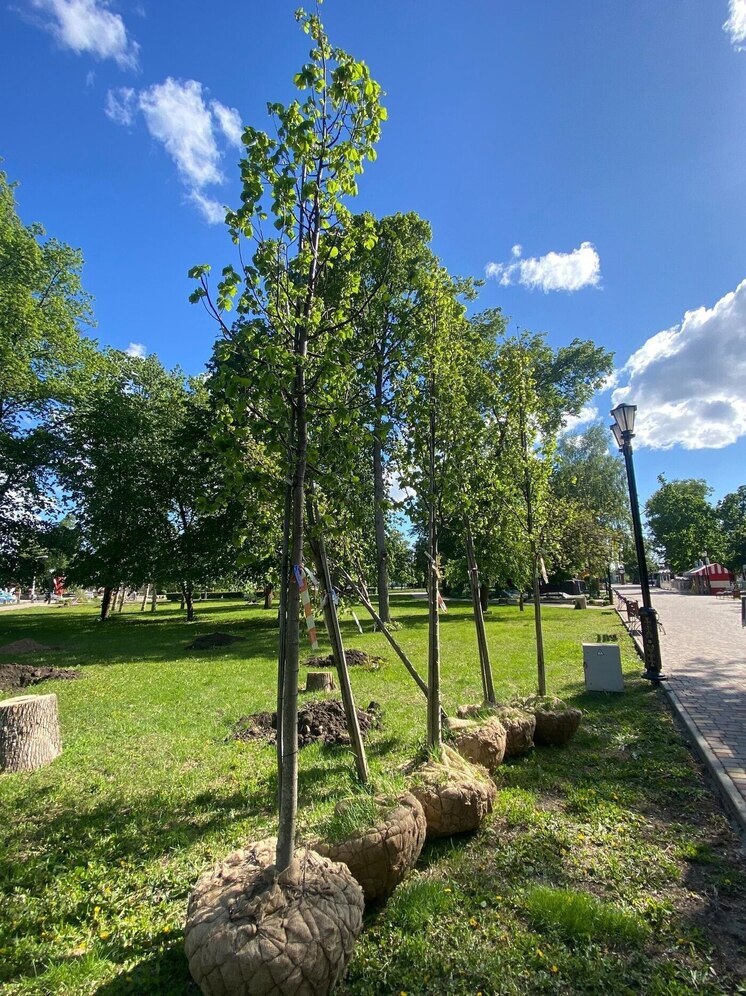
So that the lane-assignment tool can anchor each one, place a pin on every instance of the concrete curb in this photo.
(729, 794)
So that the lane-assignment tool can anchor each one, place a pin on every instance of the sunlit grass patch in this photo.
(579, 915)
(419, 902)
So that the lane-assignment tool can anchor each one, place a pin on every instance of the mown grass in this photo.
(99, 850)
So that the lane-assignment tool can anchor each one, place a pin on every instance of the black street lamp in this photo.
(623, 430)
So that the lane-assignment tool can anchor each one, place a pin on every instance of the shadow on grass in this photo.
(119, 832)
(165, 972)
(83, 639)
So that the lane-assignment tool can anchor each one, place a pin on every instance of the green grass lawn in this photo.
(607, 866)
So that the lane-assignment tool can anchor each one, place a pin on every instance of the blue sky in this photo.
(590, 157)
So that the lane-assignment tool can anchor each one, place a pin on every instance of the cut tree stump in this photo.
(29, 732)
(319, 681)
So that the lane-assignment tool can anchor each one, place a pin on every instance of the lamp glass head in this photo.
(624, 416)
(617, 434)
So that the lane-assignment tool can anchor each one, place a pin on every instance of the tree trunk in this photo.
(154, 598)
(379, 497)
(145, 598)
(106, 603)
(298, 459)
(488, 687)
(269, 593)
(122, 594)
(484, 596)
(29, 732)
(434, 728)
(282, 620)
(318, 550)
(188, 597)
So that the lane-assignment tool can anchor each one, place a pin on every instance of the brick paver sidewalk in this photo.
(704, 655)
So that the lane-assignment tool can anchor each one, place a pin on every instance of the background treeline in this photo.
(119, 472)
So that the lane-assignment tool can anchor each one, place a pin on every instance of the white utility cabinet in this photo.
(602, 663)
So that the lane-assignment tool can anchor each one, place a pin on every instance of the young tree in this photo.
(393, 280)
(426, 454)
(527, 429)
(294, 349)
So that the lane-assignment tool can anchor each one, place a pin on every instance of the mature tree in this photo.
(731, 512)
(214, 531)
(683, 523)
(400, 558)
(108, 471)
(295, 348)
(42, 354)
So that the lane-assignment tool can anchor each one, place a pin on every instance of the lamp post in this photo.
(623, 430)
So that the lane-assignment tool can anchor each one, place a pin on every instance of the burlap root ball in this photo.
(379, 857)
(485, 744)
(519, 730)
(455, 795)
(251, 932)
(556, 722)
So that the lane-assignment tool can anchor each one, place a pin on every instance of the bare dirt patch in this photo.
(13, 676)
(323, 720)
(354, 658)
(26, 647)
(212, 640)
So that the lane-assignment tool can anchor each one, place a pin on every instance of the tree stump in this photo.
(319, 681)
(29, 732)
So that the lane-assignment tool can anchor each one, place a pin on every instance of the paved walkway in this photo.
(704, 656)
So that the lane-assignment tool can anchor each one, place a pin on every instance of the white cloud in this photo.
(177, 114)
(736, 23)
(211, 210)
(688, 381)
(568, 271)
(121, 105)
(229, 122)
(89, 26)
(137, 350)
(586, 415)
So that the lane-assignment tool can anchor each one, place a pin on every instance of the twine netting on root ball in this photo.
(252, 931)
(455, 795)
(380, 856)
(519, 725)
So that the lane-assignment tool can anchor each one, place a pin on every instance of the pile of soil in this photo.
(26, 647)
(322, 720)
(354, 658)
(211, 640)
(14, 676)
